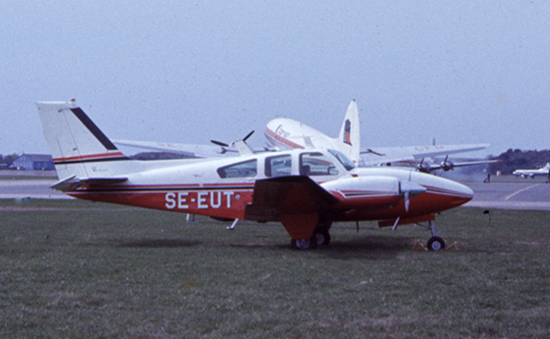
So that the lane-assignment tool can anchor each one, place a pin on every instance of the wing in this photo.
(449, 165)
(293, 200)
(287, 195)
(384, 155)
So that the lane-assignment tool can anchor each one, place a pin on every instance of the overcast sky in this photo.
(191, 71)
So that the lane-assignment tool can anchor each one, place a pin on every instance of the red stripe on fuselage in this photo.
(281, 139)
(91, 157)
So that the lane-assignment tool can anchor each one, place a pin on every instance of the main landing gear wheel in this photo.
(304, 244)
(436, 244)
(322, 237)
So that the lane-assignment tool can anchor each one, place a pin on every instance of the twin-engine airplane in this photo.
(286, 133)
(532, 173)
(305, 189)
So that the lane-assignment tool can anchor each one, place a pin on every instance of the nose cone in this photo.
(444, 193)
(460, 193)
(467, 192)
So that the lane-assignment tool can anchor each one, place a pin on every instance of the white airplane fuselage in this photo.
(532, 173)
(195, 186)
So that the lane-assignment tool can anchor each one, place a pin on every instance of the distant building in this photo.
(34, 162)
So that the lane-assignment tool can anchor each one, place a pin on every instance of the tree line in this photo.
(514, 159)
(7, 160)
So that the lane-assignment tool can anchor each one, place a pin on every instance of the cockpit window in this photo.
(348, 164)
(245, 169)
(278, 166)
(316, 163)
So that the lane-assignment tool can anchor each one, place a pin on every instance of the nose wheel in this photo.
(435, 243)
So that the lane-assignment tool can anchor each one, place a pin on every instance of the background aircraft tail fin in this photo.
(349, 139)
(79, 148)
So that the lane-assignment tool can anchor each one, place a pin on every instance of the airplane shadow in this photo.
(370, 247)
(159, 243)
(377, 247)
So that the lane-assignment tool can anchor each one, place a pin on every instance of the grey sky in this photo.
(191, 71)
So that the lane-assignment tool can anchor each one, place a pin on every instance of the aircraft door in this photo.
(318, 166)
(278, 166)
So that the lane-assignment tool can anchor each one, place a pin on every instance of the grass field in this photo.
(79, 269)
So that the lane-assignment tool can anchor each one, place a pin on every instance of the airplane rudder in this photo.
(349, 138)
(73, 138)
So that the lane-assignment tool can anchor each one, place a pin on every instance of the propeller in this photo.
(424, 168)
(223, 144)
(241, 145)
(447, 165)
(408, 190)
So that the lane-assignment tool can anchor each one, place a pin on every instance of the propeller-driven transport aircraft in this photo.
(286, 133)
(304, 189)
(532, 173)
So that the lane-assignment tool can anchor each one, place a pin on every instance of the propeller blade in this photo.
(219, 143)
(248, 135)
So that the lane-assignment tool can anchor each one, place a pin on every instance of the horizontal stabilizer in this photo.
(72, 183)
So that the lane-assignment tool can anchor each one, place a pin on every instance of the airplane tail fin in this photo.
(79, 148)
(349, 137)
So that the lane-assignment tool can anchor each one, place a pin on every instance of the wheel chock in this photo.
(453, 245)
(421, 245)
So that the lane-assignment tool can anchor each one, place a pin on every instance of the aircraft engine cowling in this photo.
(366, 192)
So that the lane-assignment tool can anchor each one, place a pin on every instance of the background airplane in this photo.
(306, 190)
(285, 133)
(532, 173)
(289, 133)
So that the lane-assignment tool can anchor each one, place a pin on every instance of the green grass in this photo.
(79, 269)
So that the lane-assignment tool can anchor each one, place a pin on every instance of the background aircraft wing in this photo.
(192, 150)
(448, 165)
(382, 155)
(187, 150)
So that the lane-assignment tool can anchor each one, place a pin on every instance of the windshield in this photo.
(348, 164)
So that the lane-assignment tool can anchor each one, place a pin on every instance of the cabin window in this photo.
(316, 163)
(348, 164)
(278, 166)
(246, 169)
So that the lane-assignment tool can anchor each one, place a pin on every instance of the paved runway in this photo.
(29, 188)
(522, 195)
(512, 194)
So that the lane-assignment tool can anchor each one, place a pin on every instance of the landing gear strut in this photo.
(435, 243)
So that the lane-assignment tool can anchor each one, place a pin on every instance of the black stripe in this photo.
(160, 189)
(102, 138)
(80, 161)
